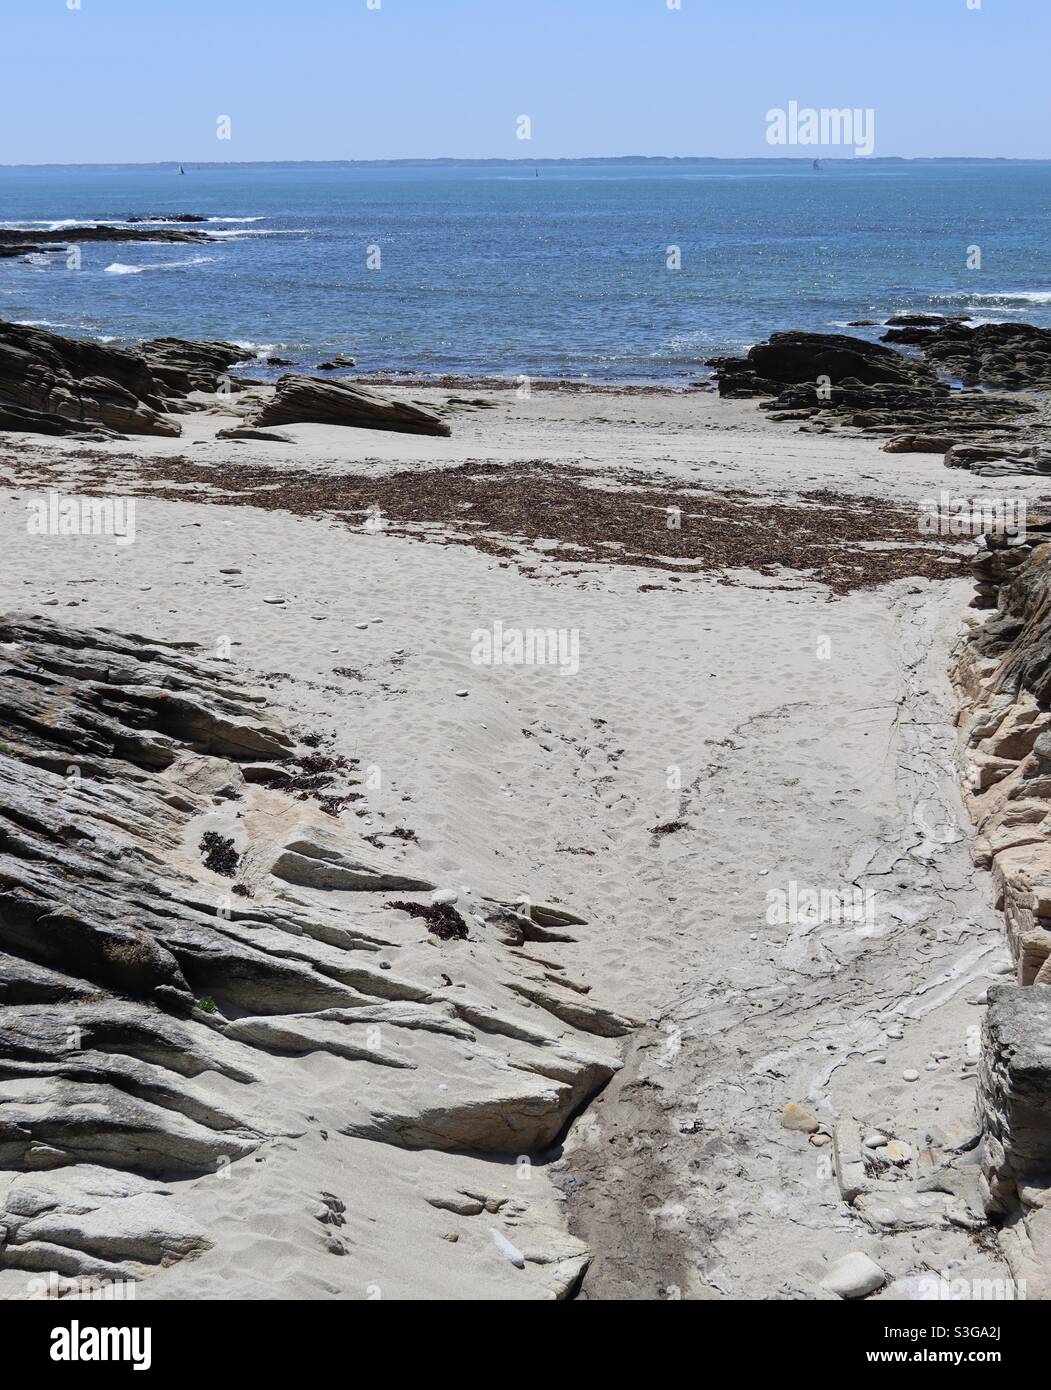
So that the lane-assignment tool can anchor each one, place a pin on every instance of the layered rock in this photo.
(55, 385)
(170, 1015)
(832, 379)
(180, 366)
(1003, 356)
(1003, 674)
(303, 399)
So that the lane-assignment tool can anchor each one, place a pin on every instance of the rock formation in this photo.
(180, 366)
(197, 975)
(302, 398)
(50, 384)
(1003, 675)
(55, 385)
(68, 235)
(831, 379)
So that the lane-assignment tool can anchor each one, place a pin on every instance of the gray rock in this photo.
(302, 398)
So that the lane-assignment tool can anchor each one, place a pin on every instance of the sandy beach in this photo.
(721, 731)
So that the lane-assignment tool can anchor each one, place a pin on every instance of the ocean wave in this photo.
(118, 268)
(999, 298)
(237, 219)
(260, 231)
(258, 350)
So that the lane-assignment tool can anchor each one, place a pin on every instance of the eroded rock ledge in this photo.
(163, 1021)
(1003, 676)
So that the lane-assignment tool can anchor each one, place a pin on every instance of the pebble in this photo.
(910, 1075)
(982, 998)
(793, 1116)
(361, 625)
(875, 1140)
(272, 598)
(896, 1152)
(230, 571)
(819, 1140)
(880, 1059)
(444, 895)
(854, 1276)
(462, 693)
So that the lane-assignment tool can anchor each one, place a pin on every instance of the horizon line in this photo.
(481, 162)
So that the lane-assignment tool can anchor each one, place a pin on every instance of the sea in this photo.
(619, 271)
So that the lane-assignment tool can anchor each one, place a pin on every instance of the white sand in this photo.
(791, 767)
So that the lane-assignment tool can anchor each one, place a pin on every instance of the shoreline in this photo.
(759, 700)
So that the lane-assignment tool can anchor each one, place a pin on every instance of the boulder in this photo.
(303, 399)
(854, 1276)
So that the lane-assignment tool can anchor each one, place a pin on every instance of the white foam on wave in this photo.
(1000, 297)
(259, 350)
(237, 219)
(259, 231)
(118, 268)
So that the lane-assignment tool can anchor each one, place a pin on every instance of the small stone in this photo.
(875, 1140)
(444, 895)
(462, 693)
(361, 625)
(795, 1117)
(910, 1075)
(819, 1140)
(272, 598)
(854, 1276)
(896, 1152)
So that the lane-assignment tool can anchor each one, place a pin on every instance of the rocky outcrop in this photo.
(56, 385)
(69, 235)
(50, 384)
(825, 380)
(796, 358)
(302, 399)
(1002, 356)
(1003, 675)
(167, 1018)
(180, 366)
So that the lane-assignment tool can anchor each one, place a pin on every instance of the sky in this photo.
(88, 81)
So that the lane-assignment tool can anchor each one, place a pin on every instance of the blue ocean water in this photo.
(496, 270)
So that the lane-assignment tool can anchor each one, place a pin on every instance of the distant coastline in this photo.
(457, 163)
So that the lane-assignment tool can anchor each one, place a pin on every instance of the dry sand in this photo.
(789, 734)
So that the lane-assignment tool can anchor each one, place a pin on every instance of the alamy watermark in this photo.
(973, 516)
(801, 905)
(853, 127)
(531, 646)
(55, 515)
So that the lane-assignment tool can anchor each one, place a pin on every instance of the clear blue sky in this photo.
(143, 80)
